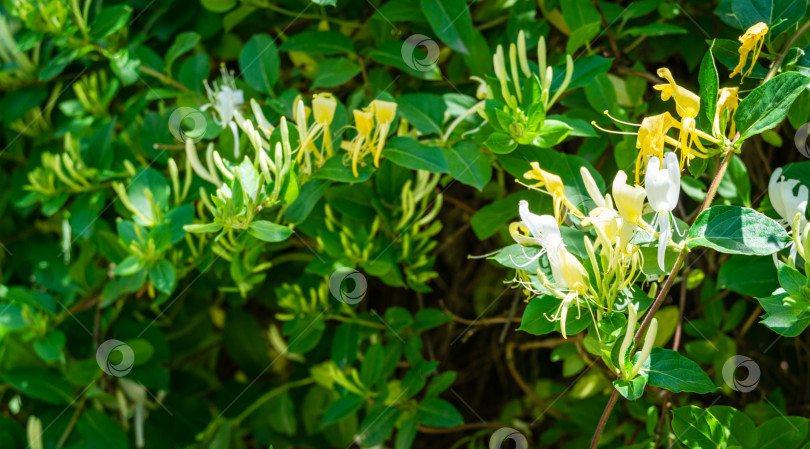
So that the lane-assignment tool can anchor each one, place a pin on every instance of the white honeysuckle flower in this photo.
(663, 186)
(546, 231)
(788, 204)
(225, 99)
(785, 202)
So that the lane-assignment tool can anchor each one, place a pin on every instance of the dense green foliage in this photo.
(368, 223)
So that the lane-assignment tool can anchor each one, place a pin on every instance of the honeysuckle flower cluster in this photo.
(652, 136)
(616, 219)
(370, 139)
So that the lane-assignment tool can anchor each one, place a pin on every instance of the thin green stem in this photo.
(778, 62)
(270, 395)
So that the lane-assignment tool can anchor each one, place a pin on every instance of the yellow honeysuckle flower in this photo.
(727, 101)
(554, 187)
(651, 137)
(686, 102)
(629, 199)
(384, 113)
(323, 108)
(359, 146)
(752, 39)
(573, 272)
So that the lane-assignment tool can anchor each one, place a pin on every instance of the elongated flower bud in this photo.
(649, 340)
(632, 318)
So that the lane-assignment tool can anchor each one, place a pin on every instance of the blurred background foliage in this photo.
(223, 295)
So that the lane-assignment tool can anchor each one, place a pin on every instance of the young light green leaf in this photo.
(631, 389)
(269, 232)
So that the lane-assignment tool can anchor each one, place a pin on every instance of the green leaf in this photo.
(709, 85)
(57, 64)
(244, 341)
(782, 432)
(334, 169)
(451, 21)
(767, 105)
(162, 276)
(130, 265)
(319, 43)
(155, 182)
(310, 194)
(410, 153)
(406, 434)
(469, 165)
(536, 321)
(109, 20)
(437, 412)
(697, 428)
(725, 51)
(492, 217)
(424, 111)
(578, 13)
(500, 143)
(218, 6)
(344, 345)
(203, 227)
(553, 132)
(342, 408)
(676, 373)
(440, 383)
(740, 429)
(49, 347)
(788, 323)
(334, 72)
(748, 275)
(99, 431)
(371, 369)
(582, 36)
(655, 29)
(259, 63)
(40, 383)
(182, 44)
(269, 232)
(792, 280)
(390, 53)
(631, 389)
(737, 230)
